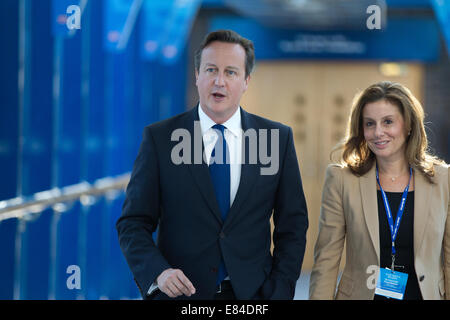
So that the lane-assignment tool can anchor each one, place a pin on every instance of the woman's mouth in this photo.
(381, 144)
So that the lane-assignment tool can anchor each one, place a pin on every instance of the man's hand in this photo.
(174, 283)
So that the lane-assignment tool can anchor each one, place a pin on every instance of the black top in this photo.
(404, 243)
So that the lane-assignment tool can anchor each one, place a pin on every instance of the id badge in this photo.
(391, 284)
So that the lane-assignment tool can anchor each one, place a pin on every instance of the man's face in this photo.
(221, 79)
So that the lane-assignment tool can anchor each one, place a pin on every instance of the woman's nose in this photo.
(379, 132)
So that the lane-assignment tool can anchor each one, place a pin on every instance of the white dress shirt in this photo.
(233, 137)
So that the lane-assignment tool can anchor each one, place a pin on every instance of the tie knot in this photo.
(219, 127)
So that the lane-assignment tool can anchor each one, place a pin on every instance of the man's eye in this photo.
(210, 70)
(231, 72)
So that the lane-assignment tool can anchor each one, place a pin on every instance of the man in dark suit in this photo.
(212, 193)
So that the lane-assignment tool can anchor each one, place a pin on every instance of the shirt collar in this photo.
(233, 124)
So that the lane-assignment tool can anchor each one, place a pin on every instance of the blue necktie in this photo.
(219, 170)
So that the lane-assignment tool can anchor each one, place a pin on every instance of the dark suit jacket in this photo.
(192, 236)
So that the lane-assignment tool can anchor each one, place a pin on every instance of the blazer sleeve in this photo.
(290, 225)
(330, 242)
(140, 216)
(447, 245)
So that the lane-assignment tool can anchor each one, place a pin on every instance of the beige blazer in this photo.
(349, 213)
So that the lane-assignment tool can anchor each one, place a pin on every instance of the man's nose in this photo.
(219, 81)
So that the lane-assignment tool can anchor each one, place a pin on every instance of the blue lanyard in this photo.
(401, 208)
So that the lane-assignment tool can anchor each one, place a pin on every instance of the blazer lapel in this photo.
(422, 194)
(199, 168)
(249, 172)
(368, 188)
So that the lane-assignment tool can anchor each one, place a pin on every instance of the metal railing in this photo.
(58, 198)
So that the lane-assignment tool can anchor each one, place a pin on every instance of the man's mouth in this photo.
(218, 95)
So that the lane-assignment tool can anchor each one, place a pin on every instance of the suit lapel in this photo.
(422, 194)
(202, 178)
(200, 171)
(249, 172)
(368, 188)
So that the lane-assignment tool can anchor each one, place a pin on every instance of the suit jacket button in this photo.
(222, 235)
(421, 278)
(213, 269)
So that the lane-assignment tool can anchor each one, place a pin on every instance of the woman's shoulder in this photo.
(339, 168)
(339, 171)
(441, 170)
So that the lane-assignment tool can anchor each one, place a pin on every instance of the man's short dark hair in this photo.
(228, 36)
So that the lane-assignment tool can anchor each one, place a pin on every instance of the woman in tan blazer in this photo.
(385, 134)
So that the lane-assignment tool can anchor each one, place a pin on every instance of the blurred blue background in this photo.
(73, 104)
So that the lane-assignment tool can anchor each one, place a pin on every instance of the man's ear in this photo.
(196, 77)
(246, 82)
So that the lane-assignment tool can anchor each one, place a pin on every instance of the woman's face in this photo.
(384, 130)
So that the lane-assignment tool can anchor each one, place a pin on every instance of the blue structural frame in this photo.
(67, 120)
(9, 139)
(79, 117)
(94, 150)
(32, 260)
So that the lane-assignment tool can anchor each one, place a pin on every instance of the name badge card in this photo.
(391, 284)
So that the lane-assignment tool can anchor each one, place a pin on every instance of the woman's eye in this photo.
(388, 121)
(369, 123)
